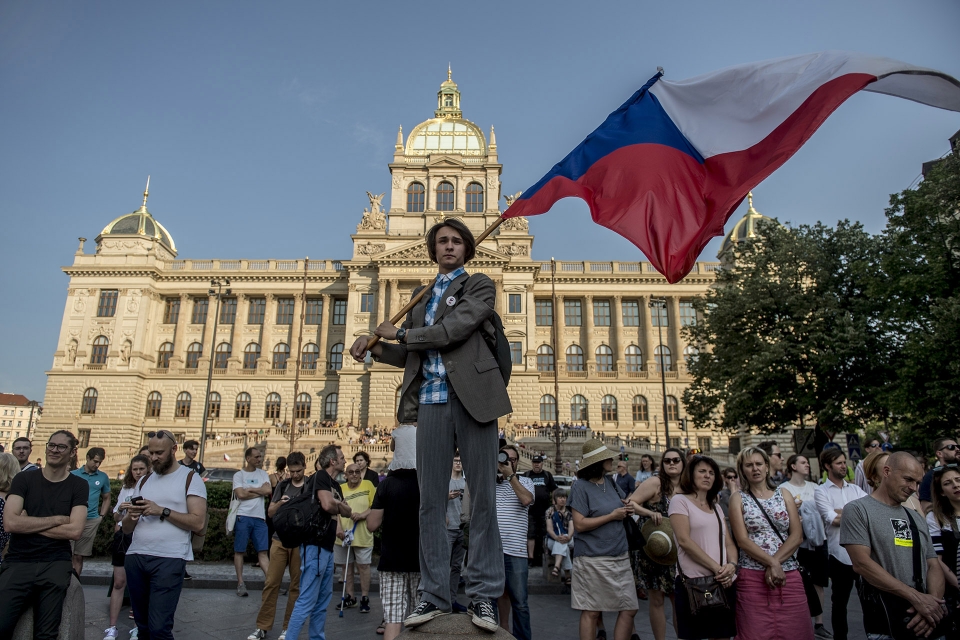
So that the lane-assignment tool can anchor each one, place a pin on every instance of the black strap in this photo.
(917, 561)
(767, 516)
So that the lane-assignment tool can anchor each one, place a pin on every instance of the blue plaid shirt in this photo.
(433, 390)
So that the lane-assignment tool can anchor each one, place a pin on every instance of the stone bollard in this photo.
(71, 621)
(456, 626)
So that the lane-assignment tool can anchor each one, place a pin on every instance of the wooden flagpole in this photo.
(415, 299)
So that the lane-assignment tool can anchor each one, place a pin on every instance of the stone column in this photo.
(178, 357)
(381, 301)
(208, 340)
(266, 335)
(324, 330)
(648, 334)
(616, 342)
(298, 302)
(676, 348)
(559, 358)
(237, 343)
(499, 304)
(394, 297)
(589, 340)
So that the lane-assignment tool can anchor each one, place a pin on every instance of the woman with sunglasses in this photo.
(651, 501)
(943, 522)
(771, 603)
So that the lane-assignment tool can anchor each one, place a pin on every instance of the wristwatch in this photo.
(164, 514)
(401, 335)
(509, 477)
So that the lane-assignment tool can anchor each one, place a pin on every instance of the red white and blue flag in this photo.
(668, 167)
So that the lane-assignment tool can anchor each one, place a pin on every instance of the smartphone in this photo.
(136, 501)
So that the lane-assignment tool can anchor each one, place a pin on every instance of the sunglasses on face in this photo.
(672, 461)
(161, 434)
(949, 447)
(779, 455)
(873, 445)
(731, 477)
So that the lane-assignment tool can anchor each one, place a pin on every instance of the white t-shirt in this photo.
(512, 518)
(165, 539)
(251, 507)
(806, 492)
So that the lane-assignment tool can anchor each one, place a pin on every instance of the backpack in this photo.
(196, 539)
(497, 342)
(302, 520)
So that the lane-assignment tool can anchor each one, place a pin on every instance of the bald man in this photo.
(881, 536)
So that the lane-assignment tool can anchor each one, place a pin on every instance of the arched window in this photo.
(251, 354)
(89, 405)
(578, 409)
(415, 197)
(213, 406)
(673, 409)
(163, 355)
(634, 358)
(182, 409)
(224, 349)
(608, 408)
(604, 358)
(445, 199)
(548, 408)
(640, 413)
(574, 358)
(336, 356)
(242, 409)
(663, 358)
(153, 404)
(330, 406)
(98, 355)
(194, 351)
(474, 202)
(281, 353)
(690, 354)
(308, 360)
(271, 410)
(545, 358)
(301, 408)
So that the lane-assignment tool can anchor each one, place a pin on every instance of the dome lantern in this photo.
(139, 223)
(744, 229)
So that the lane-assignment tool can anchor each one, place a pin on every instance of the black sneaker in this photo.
(424, 612)
(349, 602)
(187, 576)
(485, 615)
(364, 604)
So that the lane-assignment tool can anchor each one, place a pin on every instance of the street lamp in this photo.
(661, 304)
(218, 293)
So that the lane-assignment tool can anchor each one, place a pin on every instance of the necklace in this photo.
(602, 484)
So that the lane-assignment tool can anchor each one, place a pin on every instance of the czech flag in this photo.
(668, 167)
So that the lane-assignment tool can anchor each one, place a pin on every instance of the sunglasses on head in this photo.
(160, 434)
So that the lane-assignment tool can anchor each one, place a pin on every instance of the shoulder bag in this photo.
(231, 522)
(809, 589)
(706, 595)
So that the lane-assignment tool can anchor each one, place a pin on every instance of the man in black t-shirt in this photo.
(544, 486)
(44, 511)
(316, 578)
(190, 449)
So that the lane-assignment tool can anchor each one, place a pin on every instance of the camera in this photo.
(137, 501)
(503, 458)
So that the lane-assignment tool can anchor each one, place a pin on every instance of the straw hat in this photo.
(660, 547)
(595, 451)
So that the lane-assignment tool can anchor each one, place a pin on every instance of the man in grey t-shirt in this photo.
(876, 531)
(454, 509)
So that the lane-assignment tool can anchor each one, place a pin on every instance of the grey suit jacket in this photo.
(472, 370)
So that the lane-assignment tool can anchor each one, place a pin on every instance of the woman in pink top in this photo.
(771, 602)
(705, 548)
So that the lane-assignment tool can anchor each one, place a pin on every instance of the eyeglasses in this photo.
(949, 447)
(672, 461)
(457, 462)
(53, 446)
(161, 434)
(353, 473)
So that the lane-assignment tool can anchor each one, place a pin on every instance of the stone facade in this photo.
(121, 340)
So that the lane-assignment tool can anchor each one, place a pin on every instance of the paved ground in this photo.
(219, 613)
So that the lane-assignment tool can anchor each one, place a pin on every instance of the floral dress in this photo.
(647, 573)
(758, 528)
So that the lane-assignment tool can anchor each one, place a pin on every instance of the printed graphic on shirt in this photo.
(902, 536)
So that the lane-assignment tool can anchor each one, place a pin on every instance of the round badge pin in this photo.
(451, 301)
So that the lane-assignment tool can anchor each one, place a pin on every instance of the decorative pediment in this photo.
(445, 161)
(417, 251)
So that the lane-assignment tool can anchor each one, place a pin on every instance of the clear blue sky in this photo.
(263, 123)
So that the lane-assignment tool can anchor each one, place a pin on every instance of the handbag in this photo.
(809, 589)
(706, 594)
(232, 514)
(635, 541)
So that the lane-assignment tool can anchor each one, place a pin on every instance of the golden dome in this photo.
(447, 131)
(140, 223)
(745, 228)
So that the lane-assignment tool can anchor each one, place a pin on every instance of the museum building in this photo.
(140, 325)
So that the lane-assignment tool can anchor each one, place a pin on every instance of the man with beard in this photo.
(168, 506)
(44, 512)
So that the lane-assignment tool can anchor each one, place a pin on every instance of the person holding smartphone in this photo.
(454, 532)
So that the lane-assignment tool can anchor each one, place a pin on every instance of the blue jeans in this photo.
(515, 571)
(155, 585)
(248, 528)
(316, 588)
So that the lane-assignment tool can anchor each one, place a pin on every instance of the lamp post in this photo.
(34, 406)
(661, 304)
(218, 293)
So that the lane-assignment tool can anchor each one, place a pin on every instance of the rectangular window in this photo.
(108, 303)
(705, 444)
(631, 313)
(688, 315)
(228, 311)
(544, 312)
(366, 303)
(339, 312)
(572, 315)
(284, 310)
(516, 352)
(314, 311)
(658, 316)
(675, 442)
(515, 305)
(601, 313)
(257, 310)
(171, 310)
(83, 435)
(200, 310)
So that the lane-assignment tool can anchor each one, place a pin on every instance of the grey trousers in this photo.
(440, 429)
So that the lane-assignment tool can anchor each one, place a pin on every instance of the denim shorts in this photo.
(248, 528)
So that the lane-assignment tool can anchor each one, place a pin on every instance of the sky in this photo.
(264, 124)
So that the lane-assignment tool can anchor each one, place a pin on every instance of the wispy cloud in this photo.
(368, 135)
(306, 94)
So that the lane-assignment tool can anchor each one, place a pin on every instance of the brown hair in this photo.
(666, 484)
(457, 225)
(686, 479)
(942, 507)
(742, 458)
(128, 480)
(871, 467)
